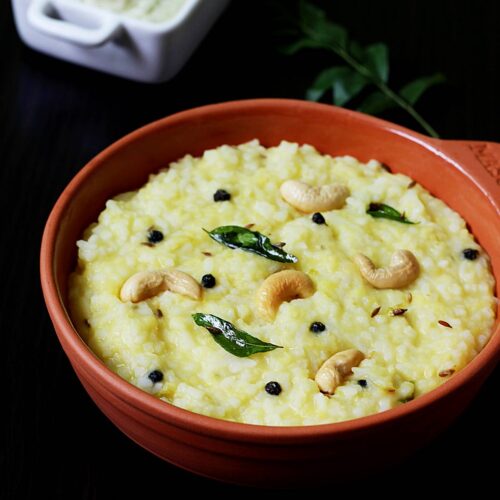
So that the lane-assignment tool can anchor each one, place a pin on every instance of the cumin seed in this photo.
(444, 323)
(375, 311)
(398, 312)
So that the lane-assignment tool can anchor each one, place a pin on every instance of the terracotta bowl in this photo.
(466, 175)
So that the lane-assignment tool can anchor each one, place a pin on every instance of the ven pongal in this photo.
(283, 287)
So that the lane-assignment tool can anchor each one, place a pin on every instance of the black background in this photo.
(54, 117)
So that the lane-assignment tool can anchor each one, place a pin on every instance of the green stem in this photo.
(408, 108)
(383, 87)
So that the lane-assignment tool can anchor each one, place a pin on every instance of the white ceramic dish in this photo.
(114, 43)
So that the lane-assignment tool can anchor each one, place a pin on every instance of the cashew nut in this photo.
(146, 284)
(310, 199)
(402, 271)
(282, 286)
(335, 369)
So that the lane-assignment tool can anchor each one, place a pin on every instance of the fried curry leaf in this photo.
(234, 341)
(250, 241)
(383, 211)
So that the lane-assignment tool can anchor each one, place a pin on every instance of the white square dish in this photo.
(112, 42)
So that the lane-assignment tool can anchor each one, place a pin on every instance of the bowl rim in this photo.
(84, 359)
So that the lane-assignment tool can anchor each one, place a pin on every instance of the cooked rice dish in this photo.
(301, 315)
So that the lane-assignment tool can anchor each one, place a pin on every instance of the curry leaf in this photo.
(383, 211)
(332, 34)
(376, 103)
(412, 91)
(348, 85)
(342, 80)
(234, 341)
(324, 81)
(316, 25)
(310, 15)
(376, 58)
(250, 241)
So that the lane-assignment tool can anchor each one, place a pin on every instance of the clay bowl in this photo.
(466, 175)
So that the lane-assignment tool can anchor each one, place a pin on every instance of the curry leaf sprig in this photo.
(383, 211)
(365, 67)
(234, 341)
(250, 241)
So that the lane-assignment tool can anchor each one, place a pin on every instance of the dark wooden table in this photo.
(54, 117)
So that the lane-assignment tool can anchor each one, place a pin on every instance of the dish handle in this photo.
(40, 16)
(483, 157)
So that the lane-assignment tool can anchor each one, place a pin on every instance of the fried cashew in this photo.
(146, 284)
(282, 286)
(310, 199)
(403, 270)
(335, 369)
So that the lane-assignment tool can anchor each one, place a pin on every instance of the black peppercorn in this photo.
(273, 388)
(155, 376)
(154, 236)
(317, 327)
(363, 383)
(470, 253)
(317, 218)
(208, 281)
(222, 195)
